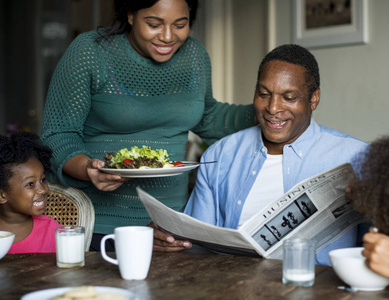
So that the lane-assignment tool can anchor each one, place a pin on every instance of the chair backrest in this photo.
(71, 207)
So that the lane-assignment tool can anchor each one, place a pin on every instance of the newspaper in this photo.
(315, 209)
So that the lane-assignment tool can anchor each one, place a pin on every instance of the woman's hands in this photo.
(376, 247)
(84, 168)
(377, 252)
(164, 242)
(101, 180)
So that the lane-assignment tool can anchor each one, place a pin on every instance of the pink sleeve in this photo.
(54, 224)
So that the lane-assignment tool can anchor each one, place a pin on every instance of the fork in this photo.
(195, 163)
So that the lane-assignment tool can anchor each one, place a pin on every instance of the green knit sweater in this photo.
(104, 97)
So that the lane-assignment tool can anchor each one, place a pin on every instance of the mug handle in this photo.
(102, 248)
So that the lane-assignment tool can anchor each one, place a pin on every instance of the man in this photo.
(258, 165)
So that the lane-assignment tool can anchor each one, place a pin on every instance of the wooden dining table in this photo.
(174, 276)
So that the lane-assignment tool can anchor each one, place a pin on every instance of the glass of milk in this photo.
(70, 248)
(298, 262)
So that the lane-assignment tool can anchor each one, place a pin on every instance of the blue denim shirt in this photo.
(222, 188)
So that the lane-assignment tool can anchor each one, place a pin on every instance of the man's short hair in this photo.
(296, 55)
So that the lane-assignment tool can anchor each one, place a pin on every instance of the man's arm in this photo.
(202, 204)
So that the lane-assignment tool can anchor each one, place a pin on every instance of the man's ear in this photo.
(315, 99)
(3, 197)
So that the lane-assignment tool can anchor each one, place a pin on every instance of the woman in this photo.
(143, 81)
(370, 197)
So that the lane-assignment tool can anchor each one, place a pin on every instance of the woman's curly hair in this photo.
(370, 193)
(18, 149)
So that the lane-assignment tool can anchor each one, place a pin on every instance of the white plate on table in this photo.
(152, 172)
(49, 293)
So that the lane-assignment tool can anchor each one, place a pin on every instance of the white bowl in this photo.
(350, 266)
(6, 240)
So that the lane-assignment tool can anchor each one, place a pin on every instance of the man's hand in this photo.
(164, 242)
(377, 252)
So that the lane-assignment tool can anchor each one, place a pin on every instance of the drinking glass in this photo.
(298, 262)
(70, 248)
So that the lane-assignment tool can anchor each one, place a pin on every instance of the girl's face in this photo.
(159, 31)
(28, 189)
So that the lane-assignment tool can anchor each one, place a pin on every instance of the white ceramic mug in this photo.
(134, 248)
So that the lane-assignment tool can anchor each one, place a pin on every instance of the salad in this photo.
(139, 158)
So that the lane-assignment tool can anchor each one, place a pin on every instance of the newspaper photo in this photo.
(315, 209)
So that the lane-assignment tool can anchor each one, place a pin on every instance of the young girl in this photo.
(23, 193)
(370, 197)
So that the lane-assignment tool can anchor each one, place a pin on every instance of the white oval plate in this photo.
(152, 172)
(49, 293)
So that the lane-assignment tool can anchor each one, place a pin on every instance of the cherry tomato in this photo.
(178, 164)
(127, 161)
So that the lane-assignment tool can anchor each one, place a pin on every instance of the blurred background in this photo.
(34, 35)
(237, 34)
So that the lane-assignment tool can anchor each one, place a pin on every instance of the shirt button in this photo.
(239, 202)
(254, 172)
(263, 150)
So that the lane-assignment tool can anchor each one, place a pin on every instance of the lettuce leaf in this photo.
(160, 155)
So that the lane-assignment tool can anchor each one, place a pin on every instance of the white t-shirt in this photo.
(268, 187)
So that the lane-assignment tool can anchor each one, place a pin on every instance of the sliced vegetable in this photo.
(136, 158)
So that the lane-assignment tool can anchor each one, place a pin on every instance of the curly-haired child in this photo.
(23, 193)
(370, 197)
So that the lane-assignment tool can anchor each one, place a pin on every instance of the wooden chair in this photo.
(71, 207)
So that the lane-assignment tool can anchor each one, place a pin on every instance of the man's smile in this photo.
(276, 125)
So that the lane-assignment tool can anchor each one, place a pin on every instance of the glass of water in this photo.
(298, 262)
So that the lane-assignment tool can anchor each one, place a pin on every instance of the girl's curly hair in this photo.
(18, 149)
(370, 193)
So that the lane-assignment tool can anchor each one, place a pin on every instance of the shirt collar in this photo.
(300, 146)
(259, 145)
(305, 141)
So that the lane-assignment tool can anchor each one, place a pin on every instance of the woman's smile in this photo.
(163, 50)
(159, 31)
